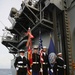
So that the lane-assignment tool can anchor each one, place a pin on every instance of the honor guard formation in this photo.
(39, 38)
(22, 64)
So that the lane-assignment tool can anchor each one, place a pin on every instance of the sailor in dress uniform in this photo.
(36, 61)
(45, 61)
(21, 63)
(60, 64)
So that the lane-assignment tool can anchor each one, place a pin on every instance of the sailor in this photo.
(21, 63)
(60, 64)
(23, 4)
(36, 61)
(45, 61)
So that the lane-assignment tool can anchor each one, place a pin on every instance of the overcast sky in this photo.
(5, 7)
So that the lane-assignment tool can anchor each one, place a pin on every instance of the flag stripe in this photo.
(29, 46)
(40, 47)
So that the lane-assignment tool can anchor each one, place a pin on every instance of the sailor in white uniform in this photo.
(21, 63)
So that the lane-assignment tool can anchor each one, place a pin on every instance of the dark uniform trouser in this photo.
(61, 71)
(22, 71)
(35, 73)
(45, 70)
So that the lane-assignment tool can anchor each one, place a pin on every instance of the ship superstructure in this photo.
(47, 16)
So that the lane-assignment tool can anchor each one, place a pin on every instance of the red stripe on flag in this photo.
(30, 56)
(29, 46)
(29, 73)
(41, 56)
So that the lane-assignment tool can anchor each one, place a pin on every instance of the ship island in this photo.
(48, 16)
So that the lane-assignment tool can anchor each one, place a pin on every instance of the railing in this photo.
(7, 36)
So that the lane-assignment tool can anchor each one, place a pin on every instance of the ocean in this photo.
(5, 72)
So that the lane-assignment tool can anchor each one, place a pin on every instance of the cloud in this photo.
(5, 60)
(5, 7)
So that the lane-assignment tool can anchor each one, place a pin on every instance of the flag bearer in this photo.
(21, 63)
(36, 61)
(45, 63)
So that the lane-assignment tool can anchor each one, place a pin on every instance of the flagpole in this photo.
(40, 48)
(42, 69)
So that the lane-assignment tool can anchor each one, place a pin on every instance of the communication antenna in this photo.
(2, 23)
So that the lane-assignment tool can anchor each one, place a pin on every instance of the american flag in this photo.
(40, 47)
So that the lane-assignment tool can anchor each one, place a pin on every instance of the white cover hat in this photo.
(35, 46)
(59, 53)
(44, 47)
(21, 50)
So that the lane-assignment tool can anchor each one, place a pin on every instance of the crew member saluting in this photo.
(21, 63)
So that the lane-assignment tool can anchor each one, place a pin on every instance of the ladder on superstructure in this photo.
(68, 40)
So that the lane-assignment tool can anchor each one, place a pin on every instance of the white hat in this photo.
(59, 53)
(35, 46)
(44, 47)
(21, 50)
